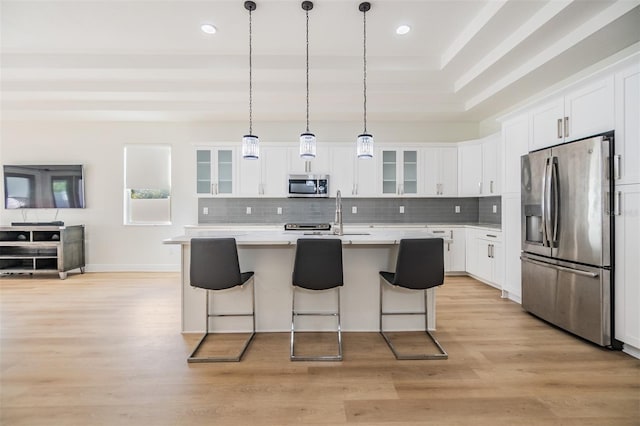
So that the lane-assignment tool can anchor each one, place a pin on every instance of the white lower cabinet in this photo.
(485, 256)
(627, 267)
(454, 251)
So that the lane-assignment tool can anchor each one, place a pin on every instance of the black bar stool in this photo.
(419, 266)
(317, 266)
(214, 266)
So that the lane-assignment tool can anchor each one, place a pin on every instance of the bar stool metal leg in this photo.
(193, 359)
(295, 314)
(400, 356)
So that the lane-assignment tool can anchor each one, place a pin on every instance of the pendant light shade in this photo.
(364, 142)
(307, 139)
(364, 145)
(307, 146)
(250, 142)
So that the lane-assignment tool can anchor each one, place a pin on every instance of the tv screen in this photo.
(44, 186)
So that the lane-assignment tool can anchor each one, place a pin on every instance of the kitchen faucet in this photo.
(337, 230)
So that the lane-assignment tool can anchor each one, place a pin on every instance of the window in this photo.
(147, 185)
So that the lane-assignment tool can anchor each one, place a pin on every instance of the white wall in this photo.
(111, 246)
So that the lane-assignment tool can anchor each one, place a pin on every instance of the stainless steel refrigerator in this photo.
(567, 237)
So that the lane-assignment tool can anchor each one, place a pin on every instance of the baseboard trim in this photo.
(96, 267)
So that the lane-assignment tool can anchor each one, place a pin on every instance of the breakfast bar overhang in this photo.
(270, 254)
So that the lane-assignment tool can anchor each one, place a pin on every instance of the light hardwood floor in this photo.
(105, 349)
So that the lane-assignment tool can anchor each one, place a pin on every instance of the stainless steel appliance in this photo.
(307, 226)
(308, 185)
(567, 229)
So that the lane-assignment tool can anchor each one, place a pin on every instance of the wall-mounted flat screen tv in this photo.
(55, 186)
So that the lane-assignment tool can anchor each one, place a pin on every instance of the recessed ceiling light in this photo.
(403, 29)
(208, 29)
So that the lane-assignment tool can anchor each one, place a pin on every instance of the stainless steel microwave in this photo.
(308, 185)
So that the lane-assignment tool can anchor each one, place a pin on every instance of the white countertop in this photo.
(358, 236)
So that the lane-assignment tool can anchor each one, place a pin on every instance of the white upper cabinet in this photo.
(515, 143)
(274, 172)
(320, 164)
(216, 171)
(440, 171)
(266, 176)
(342, 174)
(580, 113)
(491, 165)
(627, 135)
(352, 176)
(400, 170)
(479, 167)
(470, 170)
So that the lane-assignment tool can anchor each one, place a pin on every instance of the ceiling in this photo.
(148, 60)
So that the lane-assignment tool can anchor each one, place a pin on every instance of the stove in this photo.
(307, 226)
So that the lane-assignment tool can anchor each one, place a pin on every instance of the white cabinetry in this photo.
(485, 257)
(266, 176)
(479, 166)
(491, 165)
(400, 170)
(216, 170)
(470, 169)
(352, 176)
(440, 171)
(627, 267)
(580, 113)
(512, 284)
(320, 164)
(515, 143)
(627, 132)
(454, 251)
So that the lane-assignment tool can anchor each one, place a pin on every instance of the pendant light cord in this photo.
(364, 56)
(250, 79)
(307, 13)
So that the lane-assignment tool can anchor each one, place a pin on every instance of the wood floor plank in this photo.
(105, 349)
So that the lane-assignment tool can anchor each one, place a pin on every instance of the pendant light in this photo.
(250, 142)
(307, 139)
(364, 143)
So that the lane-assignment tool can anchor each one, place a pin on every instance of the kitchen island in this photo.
(269, 252)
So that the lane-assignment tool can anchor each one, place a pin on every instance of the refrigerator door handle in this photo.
(553, 208)
(545, 204)
(560, 268)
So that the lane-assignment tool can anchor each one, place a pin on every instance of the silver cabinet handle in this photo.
(357, 189)
(616, 203)
(560, 268)
(491, 187)
(451, 234)
(437, 232)
(479, 187)
(492, 236)
(488, 250)
(559, 128)
(566, 127)
(448, 246)
(616, 167)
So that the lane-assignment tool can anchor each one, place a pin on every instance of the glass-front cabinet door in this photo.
(399, 172)
(215, 171)
(389, 172)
